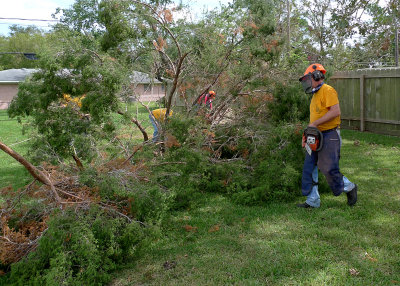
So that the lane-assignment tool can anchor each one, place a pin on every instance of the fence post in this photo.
(362, 81)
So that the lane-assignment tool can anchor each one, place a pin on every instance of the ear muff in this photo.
(317, 75)
(314, 71)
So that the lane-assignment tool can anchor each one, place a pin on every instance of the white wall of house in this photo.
(150, 92)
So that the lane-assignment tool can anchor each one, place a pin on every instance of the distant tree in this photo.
(377, 47)
(330, 30)
(21, 40)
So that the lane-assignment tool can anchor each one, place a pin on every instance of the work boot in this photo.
(304, 205)
(352, 196)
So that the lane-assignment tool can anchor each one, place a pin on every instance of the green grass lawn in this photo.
(279, 244)
(130, 131)
(11, 172)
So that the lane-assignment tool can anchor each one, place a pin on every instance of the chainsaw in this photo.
(312, 139)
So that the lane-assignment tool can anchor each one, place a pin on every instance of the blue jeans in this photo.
(155, 133)
(327, 161)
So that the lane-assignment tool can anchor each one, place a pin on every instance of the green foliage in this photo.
(90, 79)
(143, 201)
(185, 175)
(273, 181)
(79, 248)
(258, 27)
(179, 126)
(82, 17)
(118, 26)
(150, 204)
(277, 167)
(21, 40)
(290, 104)
(270, 172)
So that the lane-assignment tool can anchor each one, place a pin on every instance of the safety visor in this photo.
(305, 77)
(306, 82)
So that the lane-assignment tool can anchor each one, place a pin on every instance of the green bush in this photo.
(80, 247)
(150, 204)
(268, 164)
(181, 126)
(182, 179)
(269, 172)
(290, 104)
(143, 200)
(183, 196)
(277, 168)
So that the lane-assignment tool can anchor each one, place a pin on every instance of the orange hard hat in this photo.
(212, 92)
(312, 68)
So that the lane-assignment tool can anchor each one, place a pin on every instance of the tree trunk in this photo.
(78, 162)
(174, 84)
(35, 172)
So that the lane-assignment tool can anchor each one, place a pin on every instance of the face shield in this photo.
(306, 82)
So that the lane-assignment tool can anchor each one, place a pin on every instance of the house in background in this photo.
(146, 88)
(9, 80)
(143, 86)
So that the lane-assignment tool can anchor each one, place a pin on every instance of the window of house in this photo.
(147, 87)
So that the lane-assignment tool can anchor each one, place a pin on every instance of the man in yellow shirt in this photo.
(156, 117)
(324, 115)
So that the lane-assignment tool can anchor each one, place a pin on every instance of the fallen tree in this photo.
(35, 172)
(21, 233)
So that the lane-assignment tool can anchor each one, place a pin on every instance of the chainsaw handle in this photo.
(321, 141)
(313, 131)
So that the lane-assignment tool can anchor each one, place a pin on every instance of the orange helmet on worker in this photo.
(314, 69)
(313, 74)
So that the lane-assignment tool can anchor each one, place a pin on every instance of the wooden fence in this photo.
(369, 99)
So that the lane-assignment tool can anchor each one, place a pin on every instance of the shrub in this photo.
(150, 204)
(277, 165)
(80, 247)
(181, 126)
(142, 200)
(290, 104)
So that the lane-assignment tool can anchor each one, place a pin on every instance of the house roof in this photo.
(15, 75)
(140, 77)
(19, 75)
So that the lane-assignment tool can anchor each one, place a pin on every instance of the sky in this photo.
(43, 9)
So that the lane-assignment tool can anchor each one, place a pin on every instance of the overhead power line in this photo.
(23, 19)
(10, 23)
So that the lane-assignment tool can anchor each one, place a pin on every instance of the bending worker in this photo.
(156, 117)
(207, 99)
(324, 115)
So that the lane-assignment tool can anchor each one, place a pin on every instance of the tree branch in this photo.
(136, 122)
(36, 173)
(224, 66)
(175, 83)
